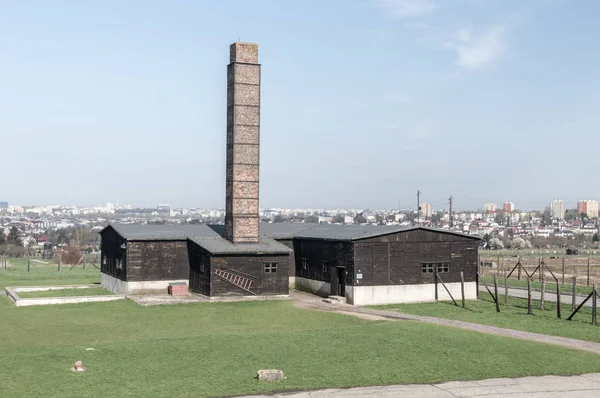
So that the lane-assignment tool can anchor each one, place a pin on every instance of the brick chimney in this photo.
(243, 143)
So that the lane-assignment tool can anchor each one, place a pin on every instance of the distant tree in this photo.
(595, 238)
(520, 244)
(360, 219)
(2, 237)
(312, 219)
(14, 236)
(70, 254)
(584, 218)
(511, 233)
(495, 244)
(278, 218)
(338, 219)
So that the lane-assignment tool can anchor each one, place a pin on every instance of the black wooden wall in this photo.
(199, 269)
(397, 259)
(111, 253)
(157, 260)
(336, 253)
(252, 267)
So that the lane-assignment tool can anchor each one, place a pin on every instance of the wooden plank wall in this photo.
(397, 258)
(253, 266)
(338, 254)
(111, 251)
(157, 260)
(199, 269)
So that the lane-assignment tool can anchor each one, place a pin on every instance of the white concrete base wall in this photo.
(311, 286)
(119, 286)
(292, 284)
(398, 294)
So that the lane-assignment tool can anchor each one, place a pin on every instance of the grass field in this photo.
(550, 287)
(45, 274)
(215, 349)
(511, 316)
(94, 291)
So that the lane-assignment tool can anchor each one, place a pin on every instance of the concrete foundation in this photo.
(398, 294)
(13, 294)
(119, 286)
(319, 288)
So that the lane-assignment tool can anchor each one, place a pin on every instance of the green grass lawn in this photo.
(214, 349)
(511, 316)
(94, 291)
(550, 287)
(45, 274)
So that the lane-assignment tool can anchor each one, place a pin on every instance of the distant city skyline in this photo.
(363, 102)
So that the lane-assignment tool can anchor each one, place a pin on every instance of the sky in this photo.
(364, 102)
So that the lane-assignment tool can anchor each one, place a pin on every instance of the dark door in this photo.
(341, 277)
(334, 280)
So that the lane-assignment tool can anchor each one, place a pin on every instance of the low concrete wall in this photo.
(319, 288)
(13, 295)
(118, 286)
(292, 284)
(398, 294)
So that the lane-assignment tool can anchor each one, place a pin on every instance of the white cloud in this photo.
(406, 8)
(475, 51)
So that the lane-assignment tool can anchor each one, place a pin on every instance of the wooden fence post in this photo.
(28, 264)
(436, 282)
(519, 273)
(588, 272)
(529, 309)
(594, 303)
(84, 261)
(496, 293)
(563, 270)
(574, 298)
(543, 292)
(505, 290)
(462, 288)
(558, 301)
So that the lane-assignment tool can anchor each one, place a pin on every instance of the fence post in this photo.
(505, 290)
(519, 272)
(84, 261)
(540, 269)
(543, 293)
(529, 309)
(496, 293)
(588, 272)
(563, 270)
(462, 288)
(558, 301)
(574, 302)
(28, 264)
(435, 280)
(594, 304)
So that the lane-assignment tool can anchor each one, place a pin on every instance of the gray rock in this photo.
(270, 375)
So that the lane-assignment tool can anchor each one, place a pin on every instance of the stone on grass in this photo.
(78, 367)
(269, 375)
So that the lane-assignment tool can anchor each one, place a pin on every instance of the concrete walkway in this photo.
(587, 385)
(314, 302)
(565, 298)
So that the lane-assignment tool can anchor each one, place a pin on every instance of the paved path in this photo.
(310, 301)
(536, 295)
(587, 385)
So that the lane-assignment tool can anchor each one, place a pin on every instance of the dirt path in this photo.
(308, 301)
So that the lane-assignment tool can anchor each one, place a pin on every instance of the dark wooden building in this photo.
(379, 265)
(221, 268)
(140, 259)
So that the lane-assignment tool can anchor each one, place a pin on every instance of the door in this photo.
(341, 277)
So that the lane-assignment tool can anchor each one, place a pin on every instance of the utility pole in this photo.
(418, 207)
(450, 200)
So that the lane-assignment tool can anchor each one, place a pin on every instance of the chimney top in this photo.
(243, 52)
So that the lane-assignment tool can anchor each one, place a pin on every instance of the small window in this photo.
(270, 268)
(443, 268)
(304, 263)
(119, 264)
(427, 268)
(325, 267)
(202, 269)
(103, 260)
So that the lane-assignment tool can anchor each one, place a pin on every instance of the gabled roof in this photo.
(223, 246)
(162, 232)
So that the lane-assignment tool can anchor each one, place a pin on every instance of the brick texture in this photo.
(243, 143)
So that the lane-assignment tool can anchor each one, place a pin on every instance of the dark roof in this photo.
(162, 232)
(268, 231)
(223, 246)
